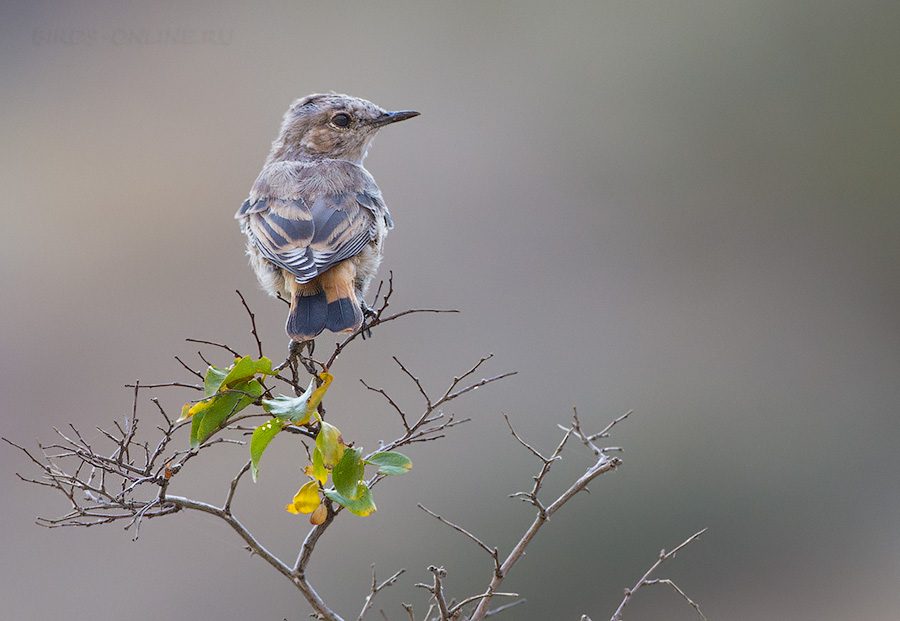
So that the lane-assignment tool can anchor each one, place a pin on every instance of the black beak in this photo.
(392, 117)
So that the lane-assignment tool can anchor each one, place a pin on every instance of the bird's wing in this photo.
(307, 218)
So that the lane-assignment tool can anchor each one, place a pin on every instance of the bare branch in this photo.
(375, 589)
(458, 607)
(366, 328)
(391, 401)
(679, 591)
(604, 464)
(494, 554)
(499, 609)
(605, 432)
(417, 383)
(197, 373)
(259, 346)
(214, 344)
(645, 579)
(234, 483)
(166, 384)
(437, 591)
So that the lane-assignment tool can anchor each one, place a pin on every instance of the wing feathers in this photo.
(326, 213)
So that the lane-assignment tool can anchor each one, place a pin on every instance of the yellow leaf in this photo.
(316, 397)
(306, 500)
(319, 471)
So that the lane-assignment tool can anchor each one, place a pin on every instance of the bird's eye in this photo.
(341, 120)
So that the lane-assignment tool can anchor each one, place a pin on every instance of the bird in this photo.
(315, 220)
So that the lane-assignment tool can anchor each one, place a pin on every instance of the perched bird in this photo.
(315, 220)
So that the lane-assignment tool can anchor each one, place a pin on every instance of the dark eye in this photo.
(341, 120)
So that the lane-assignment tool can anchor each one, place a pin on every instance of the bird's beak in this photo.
(392, 117)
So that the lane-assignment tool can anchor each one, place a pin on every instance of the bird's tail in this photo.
(344, 312)
(308, 316)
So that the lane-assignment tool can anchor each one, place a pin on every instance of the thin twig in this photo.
(499, 609)
(214, 344)
(259, 346)
(645, 579)
(197, 373)
(375, 589)
(234, 483)
(604, 464)
(391, 401)
(494, 554)
(167, 384)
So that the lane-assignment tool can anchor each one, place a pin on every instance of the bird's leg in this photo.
(296, 353)
(368, 313)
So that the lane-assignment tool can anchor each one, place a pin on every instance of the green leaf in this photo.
(362, 506)
(221, 408)
(294, 409)
(246, 368)
(348, 472)
(331, 444)
(262, 435)
(390, 463)
(299, 410)
(213, 380)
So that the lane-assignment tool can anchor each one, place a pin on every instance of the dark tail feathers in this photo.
(308, 316)
(344, 315)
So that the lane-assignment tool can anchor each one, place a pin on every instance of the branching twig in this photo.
(120, 477)
(604, 464)
(645, 579)
(375, 589)
(377, 320)
(494, 554)
(214, 344)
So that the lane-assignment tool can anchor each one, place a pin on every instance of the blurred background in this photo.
(685, 209)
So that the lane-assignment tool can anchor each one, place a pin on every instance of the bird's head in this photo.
(331, 126)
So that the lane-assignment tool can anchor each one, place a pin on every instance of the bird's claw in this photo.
(368, 313)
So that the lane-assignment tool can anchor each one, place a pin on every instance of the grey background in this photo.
(688, 209)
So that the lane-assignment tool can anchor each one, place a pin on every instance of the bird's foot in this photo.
(296, 354)
(368, 313)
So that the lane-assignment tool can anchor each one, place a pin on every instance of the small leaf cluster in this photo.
(348, 468)
(230, 390)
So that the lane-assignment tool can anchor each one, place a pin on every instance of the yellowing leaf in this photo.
(185, 412)
(331, 444)
(316, 397)
(299, 410)
(319, 471)
(306, 500)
